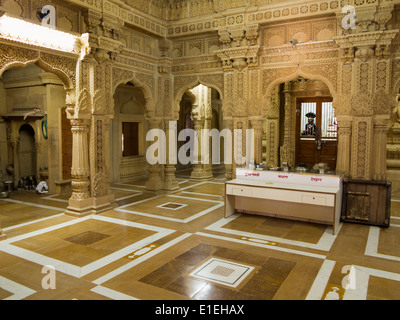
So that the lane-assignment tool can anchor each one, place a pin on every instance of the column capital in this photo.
(256, 123)
(154, 123)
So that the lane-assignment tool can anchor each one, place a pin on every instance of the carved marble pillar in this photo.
(344, 144)
(229, 166)
(361, 148)
(208, 166)
(154, 181)
(170, 182)
(272, 130)
(198, 172)
(240, 155)
(3, 148)
(257, 125)
(80, 201)
(379, 147)
(99, 159)
(287, 150)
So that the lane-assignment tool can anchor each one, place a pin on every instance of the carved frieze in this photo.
(14, 56)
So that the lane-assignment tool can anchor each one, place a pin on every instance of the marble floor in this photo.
(178, 246)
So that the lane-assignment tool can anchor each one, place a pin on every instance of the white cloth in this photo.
(42, 187)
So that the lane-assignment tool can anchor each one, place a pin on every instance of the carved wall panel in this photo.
(168, 47)
(361, 148)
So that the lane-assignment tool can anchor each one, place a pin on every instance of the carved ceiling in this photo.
(180, 9)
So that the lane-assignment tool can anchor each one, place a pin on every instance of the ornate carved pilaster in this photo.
(287, 150)
(154, 181)
(229, 166)
(170, 182)
(99, 160)
(361, 148)
(344, 144)
(240, 155)
(257, 125)
(3, 148)
(380, 124)
(80, 202)
(198, 172)
(207, 125)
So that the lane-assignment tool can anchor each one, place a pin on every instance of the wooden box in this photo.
(366, 202)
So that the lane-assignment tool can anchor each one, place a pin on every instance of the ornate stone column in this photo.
(361, 148)
(99, 159)
(208, 166)
(80, 201)
(287, 150)
(170, 182)
(229, 166)
(257, 125)
(344, 144)
(3, 148)
(198, 171)
(379, 147)
(154, 181)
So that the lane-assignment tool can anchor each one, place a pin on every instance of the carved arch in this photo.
(282, 77)
(184, 83)
(61, 66)
(12, 56)
(274, 77)
(121, 76)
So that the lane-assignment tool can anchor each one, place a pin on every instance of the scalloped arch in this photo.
(292, 76)
(186, 86)
(295, 75)
(147, 92)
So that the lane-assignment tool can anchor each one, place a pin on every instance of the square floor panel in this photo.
(87, 238)
(222, 272)
(167, 207)
(172, 206)
(79, 247)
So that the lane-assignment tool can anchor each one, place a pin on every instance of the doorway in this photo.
(26, 151)
(316, 131)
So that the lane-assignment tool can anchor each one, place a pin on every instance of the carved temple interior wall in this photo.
(137, 65)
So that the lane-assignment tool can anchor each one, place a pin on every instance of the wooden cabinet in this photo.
(366, 202)
(319, 204)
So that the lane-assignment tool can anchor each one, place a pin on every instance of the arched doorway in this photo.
(300, 125)
(128, 134)
(26, 151)
(38, 134)
(200, 109)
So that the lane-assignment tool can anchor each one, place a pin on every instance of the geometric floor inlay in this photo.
(121, 254)
(172, 206)
(222, 272)
(87, 238)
